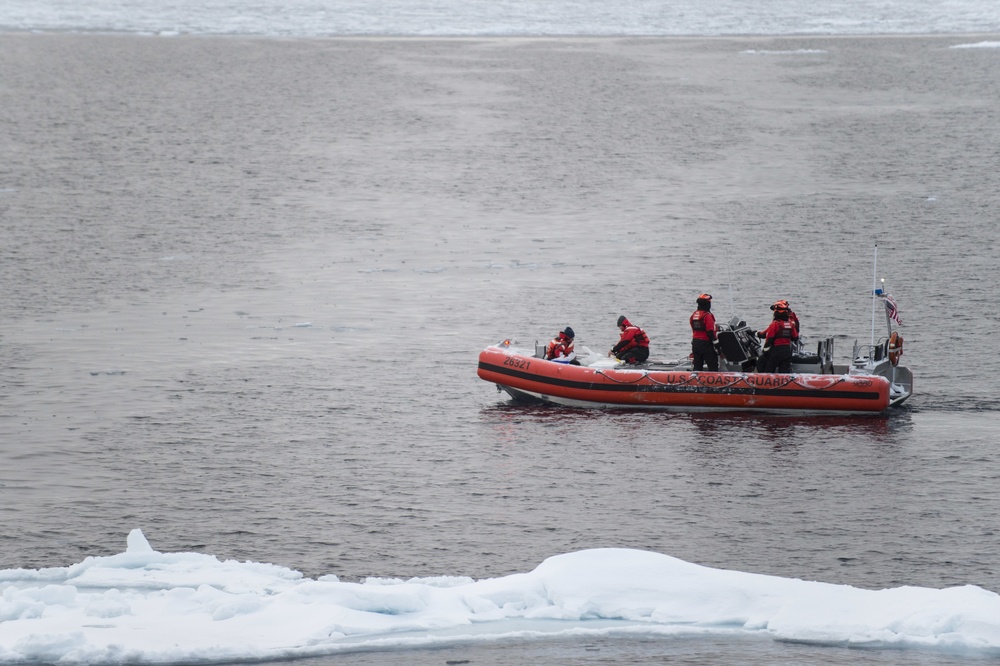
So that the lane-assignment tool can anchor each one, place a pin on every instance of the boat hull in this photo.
(529, 378)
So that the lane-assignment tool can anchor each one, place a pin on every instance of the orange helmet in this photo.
(705, 297)
(780, 305)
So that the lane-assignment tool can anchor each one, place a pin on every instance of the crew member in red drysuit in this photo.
(704, 341)
(779, 338)
(783, 305)
(633, 347)
(560, 349)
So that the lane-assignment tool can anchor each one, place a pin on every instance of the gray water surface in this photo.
(246, 282)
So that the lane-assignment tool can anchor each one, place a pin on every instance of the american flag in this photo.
(892, 309)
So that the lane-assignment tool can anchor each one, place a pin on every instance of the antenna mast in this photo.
(874, 291)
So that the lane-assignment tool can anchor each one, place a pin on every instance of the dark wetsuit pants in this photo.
(779, 359)
(634, 355)
(704, 352)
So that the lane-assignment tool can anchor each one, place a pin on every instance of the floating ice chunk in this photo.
(137, 543)
(977, 45)
(790, 52)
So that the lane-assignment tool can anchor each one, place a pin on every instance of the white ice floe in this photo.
(978, 45)
(147, 607)
(791, 52)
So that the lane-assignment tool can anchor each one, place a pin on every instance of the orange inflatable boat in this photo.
(657, 386)
(872, 382)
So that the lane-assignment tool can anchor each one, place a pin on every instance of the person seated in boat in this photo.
(633, 347)
(704, 341)
(560, 349)
(779, 339)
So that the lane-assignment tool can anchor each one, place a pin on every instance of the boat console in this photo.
(739, 344)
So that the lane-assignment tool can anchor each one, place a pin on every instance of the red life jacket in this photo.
(795, 320)
(632, 336)
(780, 332)
(560, 346)
(703, 325)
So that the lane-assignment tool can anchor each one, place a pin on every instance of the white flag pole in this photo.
(874, 281)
